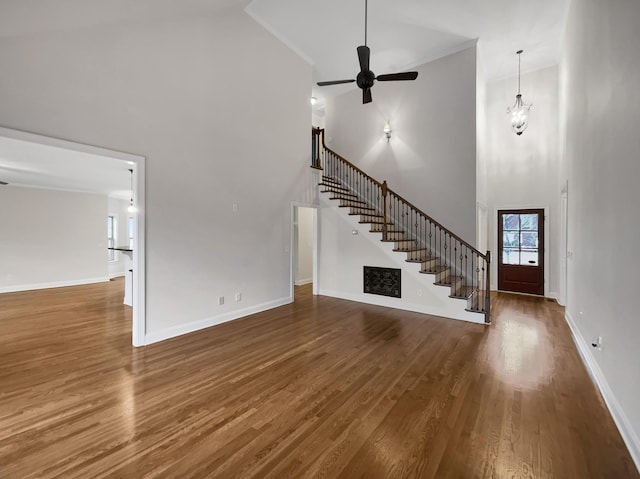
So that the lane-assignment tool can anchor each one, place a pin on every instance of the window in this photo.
(520, 239)
(111, 238)
(131, 228)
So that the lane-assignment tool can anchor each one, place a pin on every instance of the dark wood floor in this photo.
(320, 388)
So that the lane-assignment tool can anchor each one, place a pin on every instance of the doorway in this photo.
(46, 161)
(304, 243)
(521, 251)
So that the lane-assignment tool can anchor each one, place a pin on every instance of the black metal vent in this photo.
(382, 281)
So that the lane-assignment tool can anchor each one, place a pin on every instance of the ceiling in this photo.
(23, 163)
(403, 34)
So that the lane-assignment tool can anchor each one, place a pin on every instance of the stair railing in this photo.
(440, 251)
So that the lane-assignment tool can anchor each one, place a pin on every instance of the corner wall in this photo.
(600, 75)
(431, 157)
(522, 170)
(220, 110)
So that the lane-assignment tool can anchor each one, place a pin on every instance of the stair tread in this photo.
(438, 269)
(423, 259)
(340, 193)
(348, 200)
(330, 178)
(463, 292)
(334, 186)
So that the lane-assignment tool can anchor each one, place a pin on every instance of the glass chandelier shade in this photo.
(519, 112)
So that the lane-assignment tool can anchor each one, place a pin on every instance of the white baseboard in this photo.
(302, 282)
(405, 306)
(629, 436)
(54, 284)
(197, 325)
(116, 275)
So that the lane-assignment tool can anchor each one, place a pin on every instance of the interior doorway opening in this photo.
(304, 248)
(47, 163)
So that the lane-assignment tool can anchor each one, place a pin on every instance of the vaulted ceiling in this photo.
(403, 34)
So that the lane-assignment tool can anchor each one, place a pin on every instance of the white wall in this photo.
(522, 170)
(220, 109)
(600, 78)
(304, 241)
(431, 158)
(51, 238)
(342, 255)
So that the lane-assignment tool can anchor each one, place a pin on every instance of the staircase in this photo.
(444, 257)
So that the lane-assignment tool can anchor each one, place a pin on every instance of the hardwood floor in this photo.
(319, 388)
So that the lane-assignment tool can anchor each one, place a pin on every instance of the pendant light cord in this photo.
(519, 52)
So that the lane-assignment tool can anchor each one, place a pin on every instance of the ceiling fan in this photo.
(366, 78)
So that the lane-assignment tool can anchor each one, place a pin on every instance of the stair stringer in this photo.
(342, 255)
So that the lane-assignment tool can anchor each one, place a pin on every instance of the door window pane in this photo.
(529, 239)
(510, 256)
(510, 240)
(510, 222)
(529, 257)
(529, 222)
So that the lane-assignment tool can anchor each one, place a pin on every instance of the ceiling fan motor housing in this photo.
(366, 79)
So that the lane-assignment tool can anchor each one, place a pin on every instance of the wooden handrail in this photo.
(385, 189)
(384, 194)
(446, 230)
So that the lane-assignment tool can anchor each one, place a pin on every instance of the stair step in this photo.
(334, 187)
(348, 203)
(330, 179)
(408, 250)
(358, 208)
(438, 270)
(463, 292)
(449, 280)
(342, 194)
(422, 259)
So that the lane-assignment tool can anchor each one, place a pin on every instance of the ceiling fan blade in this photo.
(335, 82)
(366, 96)
(398, 76)
(363, 57)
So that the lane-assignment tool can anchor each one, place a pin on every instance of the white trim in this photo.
(302, 282)
(629, 436)
(53, 284)
(119, 274)
(197, 325)
(139, 289)
(405, 306)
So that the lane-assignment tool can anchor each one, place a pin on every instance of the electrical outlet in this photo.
(234, 207)
(419, 293)
(238, 296)
(221, 300)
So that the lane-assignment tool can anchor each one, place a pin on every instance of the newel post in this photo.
(384, 208)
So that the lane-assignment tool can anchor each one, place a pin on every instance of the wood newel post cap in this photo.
(384, 187)
(488, 256)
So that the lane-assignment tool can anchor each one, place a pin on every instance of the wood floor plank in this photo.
(320, 388)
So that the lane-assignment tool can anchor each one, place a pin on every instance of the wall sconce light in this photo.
(387, 131)
(314, 100)
(519, 112)
(131, 208)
